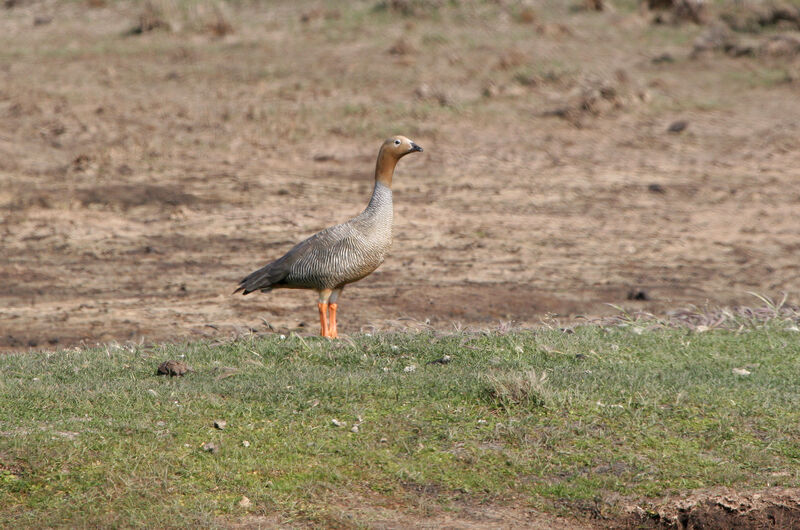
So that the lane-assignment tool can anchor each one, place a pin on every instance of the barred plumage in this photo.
(341, 254)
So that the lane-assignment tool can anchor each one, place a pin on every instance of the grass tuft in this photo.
(525, 389)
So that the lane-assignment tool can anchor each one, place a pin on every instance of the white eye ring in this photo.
(397, 142)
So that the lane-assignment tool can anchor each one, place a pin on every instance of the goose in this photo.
(329, 260)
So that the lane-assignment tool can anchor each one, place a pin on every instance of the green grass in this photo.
(547, 419)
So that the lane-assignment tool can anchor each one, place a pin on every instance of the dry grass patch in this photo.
(524, 389)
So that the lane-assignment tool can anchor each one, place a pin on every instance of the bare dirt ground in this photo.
(771, 508)
(721, 508)
(142, 175)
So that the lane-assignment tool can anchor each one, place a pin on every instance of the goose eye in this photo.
(397, 142)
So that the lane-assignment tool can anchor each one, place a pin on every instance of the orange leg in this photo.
(323, 319)
(333, 333)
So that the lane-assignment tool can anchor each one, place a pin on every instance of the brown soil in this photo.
(423, 507)
(773, 508)
(142, 175)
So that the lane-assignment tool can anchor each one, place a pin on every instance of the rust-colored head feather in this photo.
(392, 150)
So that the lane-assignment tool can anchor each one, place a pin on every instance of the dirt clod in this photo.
(402, 47)
(659, 4)
(599, 97)
(677, 126)
(754, 17)
(218, 24)
(780, 45)
(638, 294)
(526, 16)
(663, 58)
(594, 5)
(677, 11)
(427, 93)
(409, 7)
(772, 508)
(150, 19)
(173, 368)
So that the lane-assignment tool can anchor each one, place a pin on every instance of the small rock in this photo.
(173, 368)
(384, 440)
(491, 90)
(150, 20)
(409, 369)
(338, 423)
(245, 443)
(678, 126)
(527, 16)
(211, 448)
(637, 330)
(425, 92)
(220, 424)
(511, 58)
(402, 47)
(308, 16)
(638, 294)
(656, 188)
(444, 360)
(553, 29)
(663, 58)
(594, 5)
(741, 371)
(354, 428)
(245, 502)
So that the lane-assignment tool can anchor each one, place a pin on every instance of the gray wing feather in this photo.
(276, 273)
(272, 274)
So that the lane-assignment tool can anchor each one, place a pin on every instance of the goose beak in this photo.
(415, 148)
